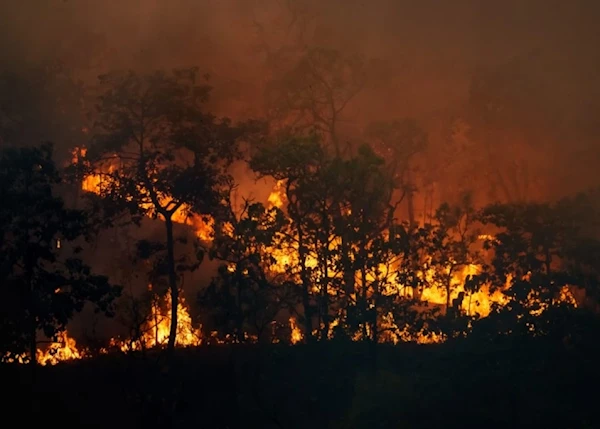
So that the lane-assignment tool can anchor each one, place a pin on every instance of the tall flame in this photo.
(156, 331)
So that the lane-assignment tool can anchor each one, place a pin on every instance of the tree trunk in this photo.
(364, 304)
(33, 346)
(448, 302)
(375, 333)
(240, 316)
(325, 292)
(305, 288)
(410, 199)
(172, 285)
(33, 312)
(155, 313)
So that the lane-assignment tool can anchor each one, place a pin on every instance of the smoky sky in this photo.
(423, 56)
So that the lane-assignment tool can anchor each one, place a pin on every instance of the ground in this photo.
(506, 383)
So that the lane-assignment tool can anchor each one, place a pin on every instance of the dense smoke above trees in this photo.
(534, 61)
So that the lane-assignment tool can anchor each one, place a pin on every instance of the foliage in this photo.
(244, 294)
(398, 141)
(155, 145)
(333, 252)
(158, 153)
(315, 92)
(533, 253)
(44, 280)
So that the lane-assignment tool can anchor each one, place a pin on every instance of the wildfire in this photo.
(64, 349)
(93, 183)
(156, 329)
(155, 332)
(478, 303)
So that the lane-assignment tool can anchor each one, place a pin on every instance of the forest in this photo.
(295, 248)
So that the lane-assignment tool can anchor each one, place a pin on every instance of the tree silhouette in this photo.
(243, 293)
(363, 220)
(159, 154)
(44, 281)
(295, 161)
(451, 251)
(532, 253)
(313, 95)
(399, 142)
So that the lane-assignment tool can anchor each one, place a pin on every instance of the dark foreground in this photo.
(509, 384)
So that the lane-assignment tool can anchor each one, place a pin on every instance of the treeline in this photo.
(330, 251)
(335, 257)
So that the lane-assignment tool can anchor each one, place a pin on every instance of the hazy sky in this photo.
(429, 51)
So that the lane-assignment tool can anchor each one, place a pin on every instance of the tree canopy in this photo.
(44, 281)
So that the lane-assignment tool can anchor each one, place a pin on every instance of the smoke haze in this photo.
(421, 57)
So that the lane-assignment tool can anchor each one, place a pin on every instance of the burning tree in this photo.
(452, 239)
(244, 293)
(336, 243)
(533, 254)
(369, 245)
(294, 162)
(44, 282)
(157, 153)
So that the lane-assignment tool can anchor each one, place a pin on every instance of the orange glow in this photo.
(157, 329)
(94, 183)
(277, 196)
(64, 349)
(476, 304)
(296, 334)
(479, 303)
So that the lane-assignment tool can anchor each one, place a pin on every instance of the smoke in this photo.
(421, 57)
(430, 49)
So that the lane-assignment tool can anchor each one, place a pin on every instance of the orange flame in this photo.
(94, 183)
(296, 332)
(64, 349)
(158, 328)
